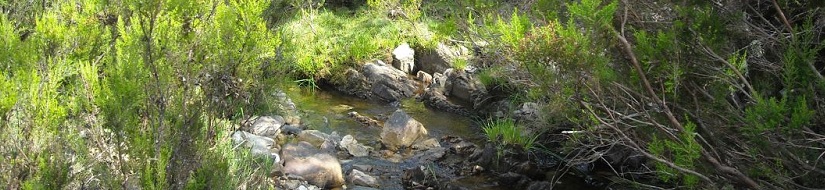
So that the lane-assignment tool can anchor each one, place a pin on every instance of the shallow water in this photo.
(327, 111)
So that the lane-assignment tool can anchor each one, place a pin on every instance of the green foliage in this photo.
(684, 152)
(800, 52)
(778, 116)
(319, 43)
(129, 68)
(660, 56)
(515, 30)
(593, 13)
(506, 132)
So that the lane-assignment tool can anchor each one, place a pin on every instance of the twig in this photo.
(628, 49)
(782, 17)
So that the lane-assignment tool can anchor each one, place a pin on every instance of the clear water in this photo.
(327, 111)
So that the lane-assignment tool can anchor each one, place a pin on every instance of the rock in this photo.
(260, 146)
(434, 98)
(528, 111)
(401, 130)
(291, 130)
(404, 58)
(319, 169)
(292, 120)
(357, 177)
(314, 137)
(388, 83)
(362, 188)
(463, 147)
(341, 108)
(424, 77)
(514, 180)
(354, 83)
(364, 120)
(328, 146)
(363, 167)
(540, 185)
(376, 80)
(267, 126)
(426, 144)
(430, 155)
(439, 59)
(464, 87)
(352, 146)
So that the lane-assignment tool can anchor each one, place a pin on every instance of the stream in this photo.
(327, 111)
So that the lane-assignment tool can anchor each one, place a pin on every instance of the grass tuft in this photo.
(506, 132)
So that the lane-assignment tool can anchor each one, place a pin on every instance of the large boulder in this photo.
(401, 130)
(376, 80)
(317, 168)
(388, 83)
(403, 58)
(464, 86)
(439, 59)
(268, 126)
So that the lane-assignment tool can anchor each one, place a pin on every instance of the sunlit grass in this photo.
(506, 132)
(320, 41)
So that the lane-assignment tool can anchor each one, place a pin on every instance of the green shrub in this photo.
(506, 132)
(684, 152)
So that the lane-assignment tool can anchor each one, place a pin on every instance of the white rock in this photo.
(404, 58)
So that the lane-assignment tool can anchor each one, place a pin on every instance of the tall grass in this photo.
(506, 132)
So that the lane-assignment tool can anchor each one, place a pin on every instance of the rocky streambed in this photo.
(404, 125)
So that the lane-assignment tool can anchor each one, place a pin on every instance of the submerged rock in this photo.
(364, 120)
(314, 137)
(401, 130)
(317, 168)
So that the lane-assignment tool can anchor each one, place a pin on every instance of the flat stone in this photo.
(426, 144)
(360, 178)
(267, 126)
(314, 137)
(353, 147)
